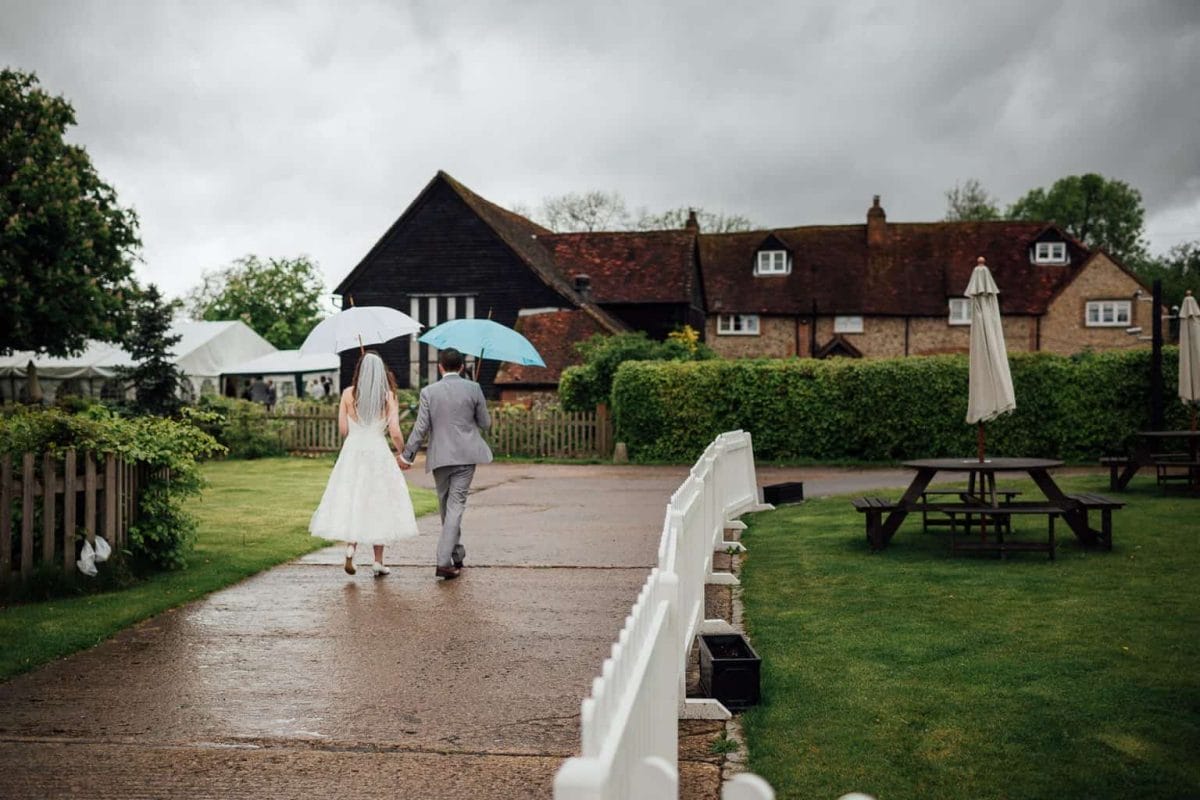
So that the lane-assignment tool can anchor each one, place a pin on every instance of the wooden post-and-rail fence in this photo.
(46, 501)
(526, 433)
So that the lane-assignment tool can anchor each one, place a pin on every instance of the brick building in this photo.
(879, 289)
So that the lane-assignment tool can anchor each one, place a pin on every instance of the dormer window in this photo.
(1050, 253)
(772, 262)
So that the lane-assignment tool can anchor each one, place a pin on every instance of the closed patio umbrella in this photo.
(991, 389)
(1189, 353)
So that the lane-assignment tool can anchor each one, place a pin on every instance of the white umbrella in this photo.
(358, 326)
(991, 389)
(1189, 353)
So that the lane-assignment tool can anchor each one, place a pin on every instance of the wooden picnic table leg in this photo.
(1075, 516)
(911, 495)
(1131, 468)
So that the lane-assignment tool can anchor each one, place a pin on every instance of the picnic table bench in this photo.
(883, 516)
(1169, 467)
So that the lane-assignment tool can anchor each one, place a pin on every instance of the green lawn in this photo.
(913, 673)
(253, 515)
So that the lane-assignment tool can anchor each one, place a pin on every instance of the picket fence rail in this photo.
(514, 432)
(47, 500)
(629, 723)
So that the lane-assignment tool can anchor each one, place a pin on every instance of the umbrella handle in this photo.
(361, 350)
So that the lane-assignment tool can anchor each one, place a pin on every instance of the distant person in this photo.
(271, 395)
(366, 500)
(259, 393)
(453, 412)
(246, 390)
(326, 386)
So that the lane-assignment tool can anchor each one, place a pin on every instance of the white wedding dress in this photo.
(366, 500)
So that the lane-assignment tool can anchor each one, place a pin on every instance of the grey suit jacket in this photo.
(452, 413)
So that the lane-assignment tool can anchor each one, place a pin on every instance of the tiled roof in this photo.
(522, 235)
(629, 267)
(913, 273)
(554, 334)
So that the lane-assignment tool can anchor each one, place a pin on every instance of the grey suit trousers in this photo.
(452, 484)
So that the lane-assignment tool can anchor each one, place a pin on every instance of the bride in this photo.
(366, 500)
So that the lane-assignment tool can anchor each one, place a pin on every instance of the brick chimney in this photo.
(692, 223)
(876, 225)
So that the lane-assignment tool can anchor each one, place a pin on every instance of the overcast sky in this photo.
(281, 128)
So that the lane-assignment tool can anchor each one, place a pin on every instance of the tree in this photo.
(970, 202)
(66, 247)
(583, 387)
(606, 211)
(585, 211)
(1099, 212)
(280, 298)
(155, 378)
(710, 221)
(1179, 270)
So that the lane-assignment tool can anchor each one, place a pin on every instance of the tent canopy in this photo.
(205, 349)
(286, 362)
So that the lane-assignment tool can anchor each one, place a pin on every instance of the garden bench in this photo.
(949, 520)
(1002, 519)
(1089, 501)
(1115, 464)
(874, 508)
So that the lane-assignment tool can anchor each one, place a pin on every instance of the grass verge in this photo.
(253, 515)
(914, 673)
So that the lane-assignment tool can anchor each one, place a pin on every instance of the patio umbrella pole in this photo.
(979, 441)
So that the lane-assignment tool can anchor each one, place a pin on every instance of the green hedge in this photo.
(1075, 408)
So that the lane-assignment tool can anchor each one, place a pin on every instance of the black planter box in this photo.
(729, 669)
(780, 493)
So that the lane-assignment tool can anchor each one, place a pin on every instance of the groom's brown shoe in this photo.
(449, 573)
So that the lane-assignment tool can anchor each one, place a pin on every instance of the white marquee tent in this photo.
(204, 352)
(290, 370)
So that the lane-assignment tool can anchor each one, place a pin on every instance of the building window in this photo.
(772, 262)
(737, 324)
(1108, 313)
(960, 311)
(1050, 253)
(847, 325)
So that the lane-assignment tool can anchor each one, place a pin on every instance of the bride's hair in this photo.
(372, 384)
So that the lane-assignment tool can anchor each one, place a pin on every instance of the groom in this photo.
(452, 412)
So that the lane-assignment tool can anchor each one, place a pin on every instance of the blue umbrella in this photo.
(484, 338)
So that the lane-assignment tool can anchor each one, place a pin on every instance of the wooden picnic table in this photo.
(983, 501)
(1148, 452)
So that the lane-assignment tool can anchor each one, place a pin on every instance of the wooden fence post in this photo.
(49, 500)
(6, 500)
(110, 498)
(27, 478)
(68, 539)
(89, 496)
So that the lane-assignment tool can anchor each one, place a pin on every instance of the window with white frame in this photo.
(772, 262)
(847, 324)
(1050, 253)
(1108, 313)
(960, 311)
(737, 324)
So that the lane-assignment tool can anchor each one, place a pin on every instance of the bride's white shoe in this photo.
(380, 569)
(350, 559)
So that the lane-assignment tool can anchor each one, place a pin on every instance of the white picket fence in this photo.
(629, 724)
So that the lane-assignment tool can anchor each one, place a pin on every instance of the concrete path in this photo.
(305, 682)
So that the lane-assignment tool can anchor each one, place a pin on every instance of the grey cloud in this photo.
(307, 127)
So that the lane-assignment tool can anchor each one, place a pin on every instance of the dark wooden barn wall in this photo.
(444, 248)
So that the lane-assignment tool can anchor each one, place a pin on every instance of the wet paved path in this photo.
(305, 682)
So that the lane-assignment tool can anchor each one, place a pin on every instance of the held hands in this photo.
(400, 462)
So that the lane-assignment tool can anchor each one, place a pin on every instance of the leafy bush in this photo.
(582, 388)
(242, 427)
(164, 532)
(1075, 408)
